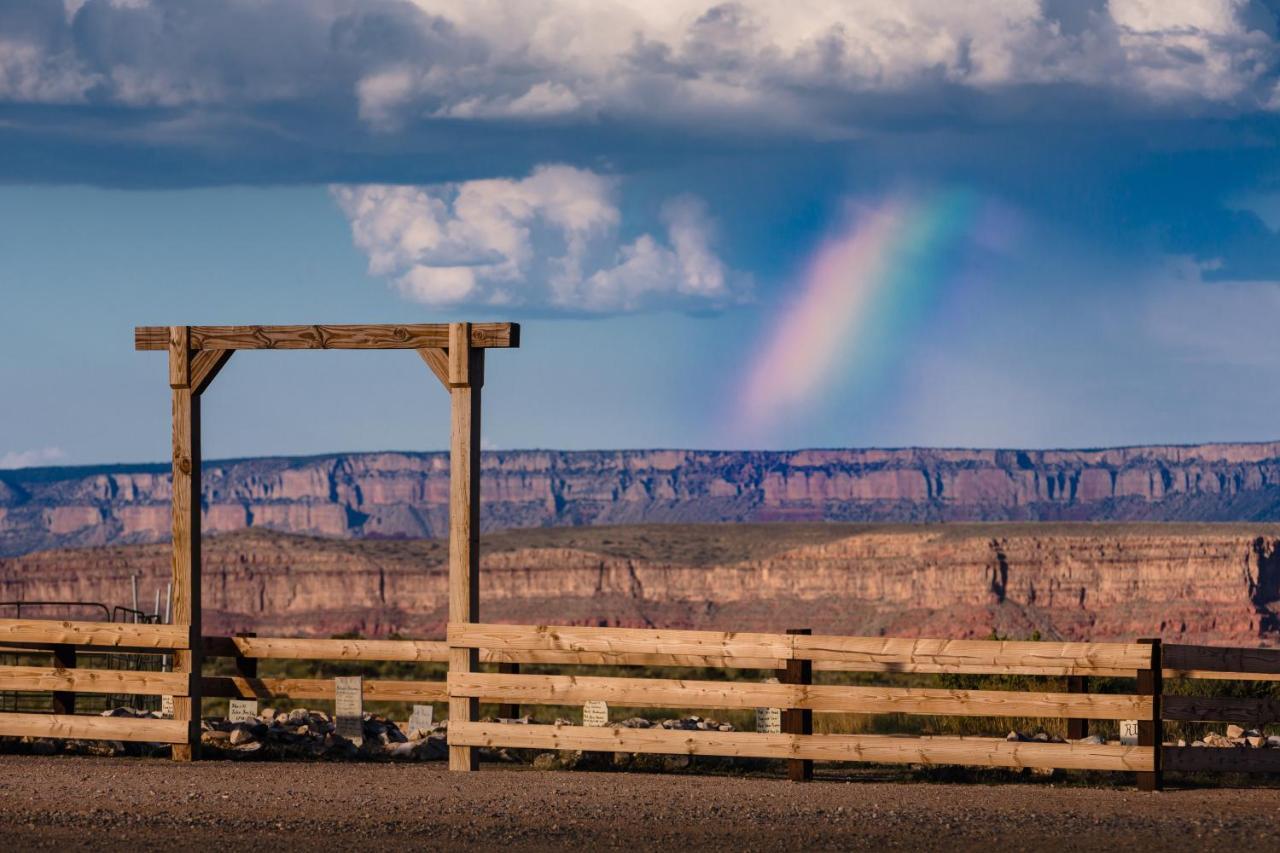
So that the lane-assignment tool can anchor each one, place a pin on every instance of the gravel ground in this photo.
(101, 803)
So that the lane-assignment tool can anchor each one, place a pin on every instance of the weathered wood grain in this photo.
(1183, 661)
(880, 654)
(607, 658)
(205, 367)
(986, 752)
(93, 728)
(437, 360)
(346, 336)
(238, 687)
(619, 645)
(1150, 682)
(1244, 711)
(110, 635)
(301, 648)
(466, 378)
(821, 698)
(92, 681)
(185, 519)
(1221, 759)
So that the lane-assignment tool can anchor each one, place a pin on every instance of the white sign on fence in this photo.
(595, 714)
(422, 718)
(1129, 732)
(348, 707)
(242, 711)
(769, 720)
(166, 706)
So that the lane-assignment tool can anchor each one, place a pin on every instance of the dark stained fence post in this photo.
(1077, 728)
(246, 667)
(64, 657)
(1151, 732)
(798, 721)
(509, 712)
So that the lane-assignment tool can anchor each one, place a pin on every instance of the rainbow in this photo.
(861, 293)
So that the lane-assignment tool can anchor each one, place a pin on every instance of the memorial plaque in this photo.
(422, 718)
(1129, 732)
(166, 706)
(595, 714)
(348, 707)
(243, 711)
(769, 720)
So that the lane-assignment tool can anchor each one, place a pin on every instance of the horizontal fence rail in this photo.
(93, 681)
(1215, 662)
(239, 687)
(656, 647)
(278, 648)
(674, 693)
(93, 728)
(110, 635)
(988, 752)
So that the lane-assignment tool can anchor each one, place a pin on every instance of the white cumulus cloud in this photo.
(549, 240)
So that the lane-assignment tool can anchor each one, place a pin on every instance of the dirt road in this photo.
(95, 803)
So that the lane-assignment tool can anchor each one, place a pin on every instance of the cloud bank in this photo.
(376, 78)
(551, 239)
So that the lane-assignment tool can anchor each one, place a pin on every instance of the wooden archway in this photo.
(455, 354)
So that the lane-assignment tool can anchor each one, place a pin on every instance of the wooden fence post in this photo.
(798, 721)
(246, 667)
(186, 536)
(1077, 728)
(1151, 732)
(509, 712)
(64, 657)
(466, 378)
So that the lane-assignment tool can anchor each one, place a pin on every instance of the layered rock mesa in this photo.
(1194, 583)
(404, 495)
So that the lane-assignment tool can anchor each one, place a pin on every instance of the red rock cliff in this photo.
(404, 495)
(1198, 583)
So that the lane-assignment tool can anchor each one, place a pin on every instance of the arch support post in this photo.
(186, 536)
(190, 373)
(465, 381)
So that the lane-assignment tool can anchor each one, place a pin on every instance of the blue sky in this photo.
(1009, 224)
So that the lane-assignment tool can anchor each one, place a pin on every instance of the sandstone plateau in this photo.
(1192, 582)
(403, 495)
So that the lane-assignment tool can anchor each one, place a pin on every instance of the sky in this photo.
(754, 224)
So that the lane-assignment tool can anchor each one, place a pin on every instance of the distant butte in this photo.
(403, 495)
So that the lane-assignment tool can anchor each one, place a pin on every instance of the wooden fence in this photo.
(62, 640)
(795, 656)
(622, 647)
(1212, 663)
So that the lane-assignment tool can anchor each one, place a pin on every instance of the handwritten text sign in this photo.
(348, 706)
(595, 714)
(242, 710)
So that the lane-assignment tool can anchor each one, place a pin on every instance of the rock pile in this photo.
(303, 733)
(684, 723)
(1040, 737)
(1237, 737)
